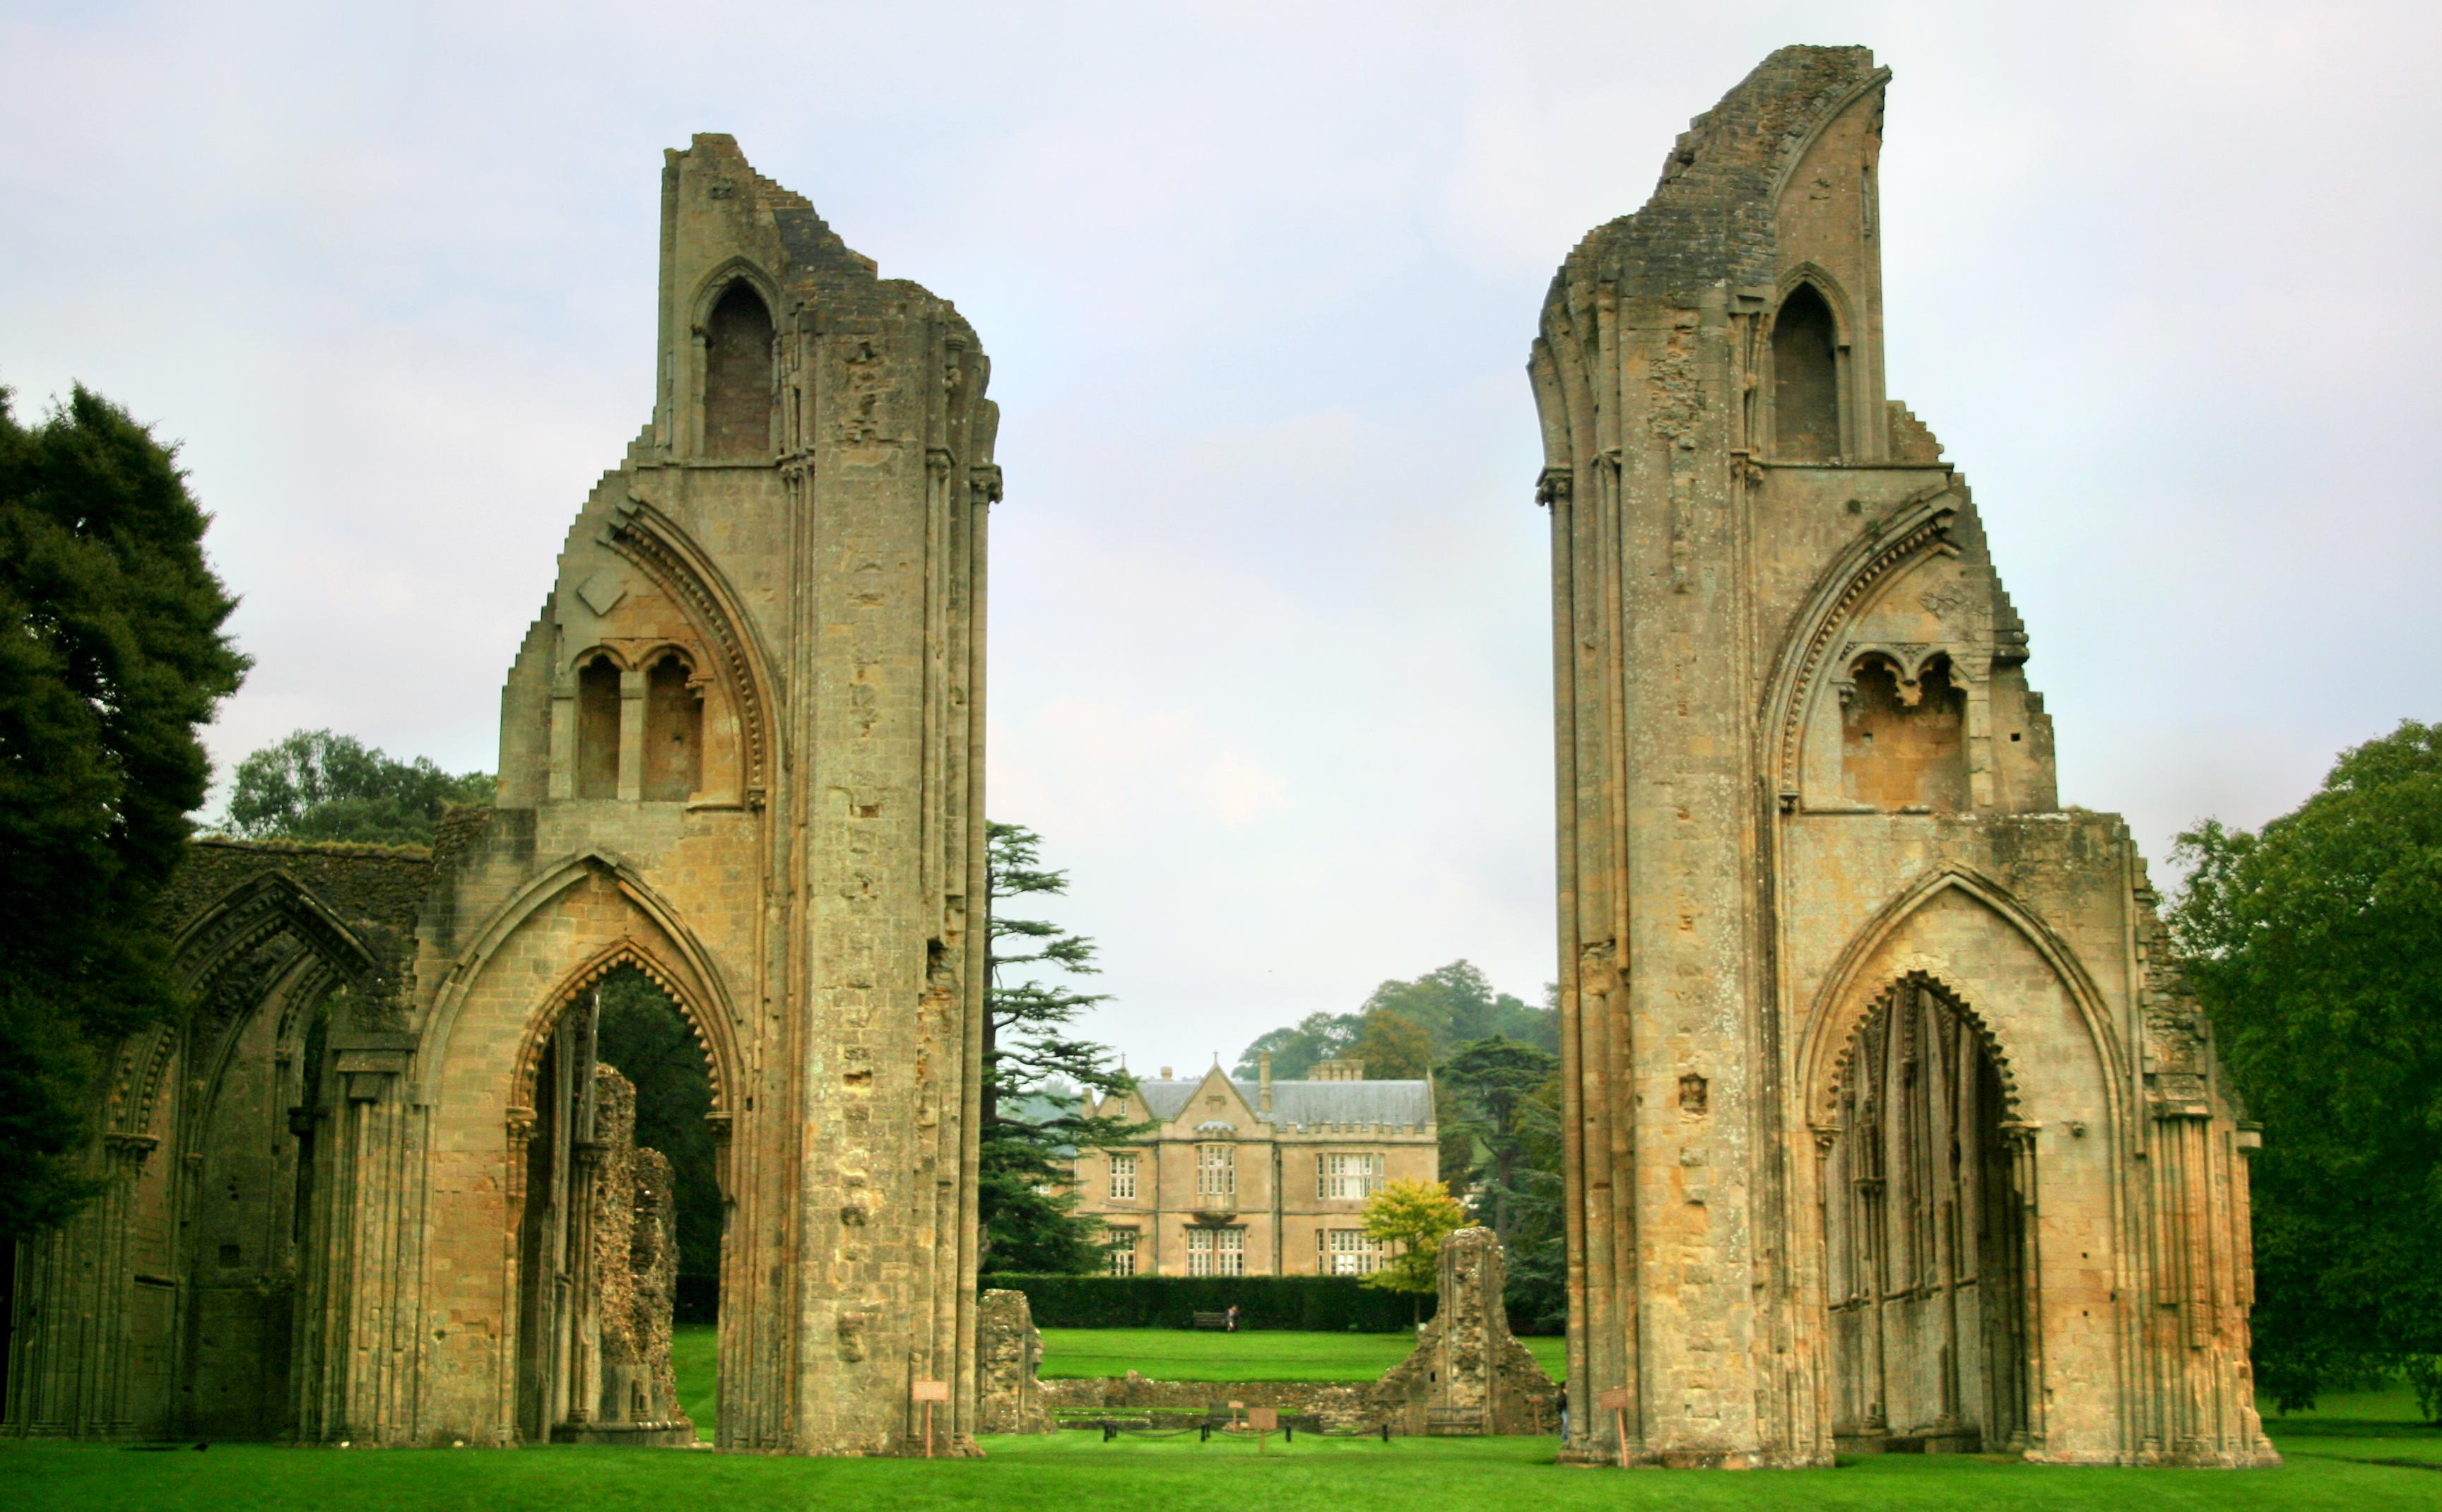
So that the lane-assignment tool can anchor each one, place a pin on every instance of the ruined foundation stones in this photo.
(1888, 1121)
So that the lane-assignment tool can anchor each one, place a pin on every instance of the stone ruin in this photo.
(626, 1281)
(1009, 1352)
(1468, 1375)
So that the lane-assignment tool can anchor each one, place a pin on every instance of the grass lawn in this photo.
(2333, 1455)
(1065, 1471)
(1253, 1355)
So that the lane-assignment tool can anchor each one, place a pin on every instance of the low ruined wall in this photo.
(1340, 1405)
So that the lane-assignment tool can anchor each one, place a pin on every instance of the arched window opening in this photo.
(1924, 1237)
(620, 1237)
(673, 732)
(1904, 746)
(1805, 379)
(738, 375)
(597, 729)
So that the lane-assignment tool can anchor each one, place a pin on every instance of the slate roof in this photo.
(1307, 1102)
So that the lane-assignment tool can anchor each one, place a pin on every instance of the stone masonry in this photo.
(1467, 1375)
(1008, 1351)
(741, 751)
(1889, 1122)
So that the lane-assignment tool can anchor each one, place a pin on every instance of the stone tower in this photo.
(741, 752)
(1889, 1120)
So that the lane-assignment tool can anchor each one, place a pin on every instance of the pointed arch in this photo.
(714, 1015)
(627, 951)
(1921, 526)
(207, 956)
(1843, 1001)
(680, 567)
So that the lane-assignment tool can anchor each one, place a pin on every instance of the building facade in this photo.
(1889, 1120)
(1255, 1178)
(741, 751)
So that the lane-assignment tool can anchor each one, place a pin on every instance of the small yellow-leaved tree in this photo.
(1415, 1217)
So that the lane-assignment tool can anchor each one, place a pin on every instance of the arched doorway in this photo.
(1925, 1235)
(620, 1223)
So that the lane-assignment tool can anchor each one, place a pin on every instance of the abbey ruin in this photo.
(1889, 1122)
(741, 751)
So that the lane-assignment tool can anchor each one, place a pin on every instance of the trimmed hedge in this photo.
(1307, 1303)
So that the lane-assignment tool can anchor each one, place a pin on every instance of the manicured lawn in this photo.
(1254, 1355)
(1068, 1470)
(695, 1355)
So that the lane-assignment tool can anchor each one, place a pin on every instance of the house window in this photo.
(1352, 1252)
(1216, 1251)
(1216, 1170)
(1349, 1176)
(1124, 1177)
(1122, 1251)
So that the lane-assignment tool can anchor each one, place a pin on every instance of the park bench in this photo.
(1212, 1319)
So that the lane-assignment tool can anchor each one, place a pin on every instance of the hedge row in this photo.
(1327, 1303)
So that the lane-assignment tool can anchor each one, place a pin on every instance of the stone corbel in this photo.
(984, 483)
(1555, 486)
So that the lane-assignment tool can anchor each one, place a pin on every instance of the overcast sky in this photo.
(1271, 663)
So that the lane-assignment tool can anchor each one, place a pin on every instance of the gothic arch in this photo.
(1846, 999)
(737, 268)
(624, 952)
(1921, 526)
(206, 951)
(660, 547)
(1794, 151)
(1835, 299)
(714, 1013)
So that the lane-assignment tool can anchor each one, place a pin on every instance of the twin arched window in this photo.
(669, 727)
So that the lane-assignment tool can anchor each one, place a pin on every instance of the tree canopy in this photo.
(1451, 1006)
(314, 785)
(1035, 1071)
(2316, 945)
(1416, 1217)
(112, 655)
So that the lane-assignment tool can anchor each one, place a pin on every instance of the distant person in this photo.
(1234, 1318)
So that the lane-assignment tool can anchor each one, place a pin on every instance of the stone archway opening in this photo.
(621, 1224)
(1925, 1235)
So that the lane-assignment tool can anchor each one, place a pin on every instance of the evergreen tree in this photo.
(1035, 1071)
(1487, 1097)
(316, 785)
(2316, 945)
(111, 657)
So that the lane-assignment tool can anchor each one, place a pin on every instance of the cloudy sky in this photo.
(1269, 656)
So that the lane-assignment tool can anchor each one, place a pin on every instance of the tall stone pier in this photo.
(1889, 1120)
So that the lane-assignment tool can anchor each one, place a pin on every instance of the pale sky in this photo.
(1271, 660)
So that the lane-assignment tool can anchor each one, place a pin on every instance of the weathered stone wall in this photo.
(1009, 1349)
(1467, 1375)
(1808, 801)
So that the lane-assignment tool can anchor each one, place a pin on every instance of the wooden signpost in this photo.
(1263, 1420)
(928, 1392)
(1615, 1402)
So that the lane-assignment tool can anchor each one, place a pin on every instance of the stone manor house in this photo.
(1888, 1119)
(1255, 1178)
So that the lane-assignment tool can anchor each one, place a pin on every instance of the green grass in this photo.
(1184, 1355)
(1068, 1470)
(695, 1355)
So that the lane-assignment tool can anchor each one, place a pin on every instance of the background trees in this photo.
(2316, 945)
(1035, 1071)
(316, 785)
(111, 656)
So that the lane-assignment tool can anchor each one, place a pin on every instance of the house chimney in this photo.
(1264, 1083)
(1165, 1073)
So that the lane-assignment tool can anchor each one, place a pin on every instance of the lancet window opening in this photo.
(739, 384)
(1806, 378)
(597, 728)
